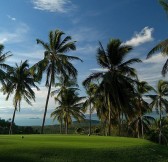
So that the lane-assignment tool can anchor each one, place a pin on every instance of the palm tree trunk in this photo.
(109, 117)
(90, 120)
(160, 126)
(66, 127)
(61, 127)
(45, 111)
(142, 127)
(13, 118)
(138, 127)
(109, 128)
(119, 124)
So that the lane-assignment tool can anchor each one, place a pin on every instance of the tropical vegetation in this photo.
(19, 83)
(55, 62)
(115, 94)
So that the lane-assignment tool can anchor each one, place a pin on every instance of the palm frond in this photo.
(162, 47)
(164, 4)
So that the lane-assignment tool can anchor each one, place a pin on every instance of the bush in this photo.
(79, 130)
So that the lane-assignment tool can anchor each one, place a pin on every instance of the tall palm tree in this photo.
(69, 105)
(159, 102)
(163, 45)
(116, 79)
(3, 66)
(55, 62)
(20, 82)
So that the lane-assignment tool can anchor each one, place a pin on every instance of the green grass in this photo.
(55, 148)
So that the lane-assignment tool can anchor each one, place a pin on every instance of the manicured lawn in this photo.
(56, 148)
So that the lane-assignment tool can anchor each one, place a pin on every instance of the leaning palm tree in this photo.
(159, 102)
(3, 66)
(116, 77)
(19, 83)
(69, 105)
(163, 45)
(55, 62)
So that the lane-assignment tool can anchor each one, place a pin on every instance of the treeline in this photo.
(5, 125)
(115, 92)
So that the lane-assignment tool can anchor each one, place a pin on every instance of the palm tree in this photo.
(163, 45)
(19, 83)
(159, 102)
(61, 87)
(3, 66)
(141, 124)
(142, 106)
(116, 79)
(55, 62)
(69, 105)
(90, 101)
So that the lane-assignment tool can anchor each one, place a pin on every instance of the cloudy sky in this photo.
(140, 23)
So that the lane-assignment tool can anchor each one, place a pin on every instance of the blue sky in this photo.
(140, 23)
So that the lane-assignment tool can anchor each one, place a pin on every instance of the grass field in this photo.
(55, 148)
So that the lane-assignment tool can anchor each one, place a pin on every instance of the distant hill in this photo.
(86, 122)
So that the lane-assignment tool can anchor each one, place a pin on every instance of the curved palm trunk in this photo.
(46, 106)
(13, 118)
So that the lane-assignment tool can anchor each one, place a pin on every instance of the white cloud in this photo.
(158, 58)
(145, 35)
(11, 18)
(150, 72)
(61, 6)
(15, 36)
(99, 70)
(33, 56)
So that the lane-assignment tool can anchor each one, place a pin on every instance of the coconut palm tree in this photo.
(141, 124)
(3, 66)
(163, 45)
(61, 87)
(55, 62)
(20, 82)
(69, 105)
(159, 102)
(141, 105)
(116, 78)
(90, 101)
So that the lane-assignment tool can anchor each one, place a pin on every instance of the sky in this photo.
(139, 23)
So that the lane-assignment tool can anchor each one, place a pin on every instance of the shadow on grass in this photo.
(146, 153)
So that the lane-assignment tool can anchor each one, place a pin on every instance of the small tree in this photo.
(159, 102)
